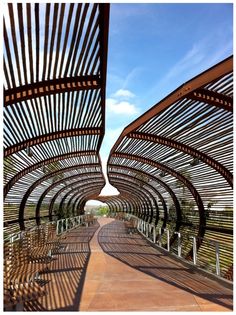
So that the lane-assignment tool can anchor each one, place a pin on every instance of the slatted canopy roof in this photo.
(176, 161)
(173, 165)
(55, 59)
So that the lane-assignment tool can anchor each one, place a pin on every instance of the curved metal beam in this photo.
(39, 203)
(163, 184)
(184, 91)
(212, 98)
(180, 177)
(76, 189)
(156, 192)
(186, 149)
(29, 191)
(56, 195)
(64, 170)
(133, 190)
(33, 167)
(50, 137)
(50, 87)
(151, 196)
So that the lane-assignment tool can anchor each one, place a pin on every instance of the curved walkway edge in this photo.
(121, 280)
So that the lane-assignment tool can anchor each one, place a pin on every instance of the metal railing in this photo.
(64, 225)
(155, 235)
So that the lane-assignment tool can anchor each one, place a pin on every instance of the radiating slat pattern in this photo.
(185, 141)
(55, 57)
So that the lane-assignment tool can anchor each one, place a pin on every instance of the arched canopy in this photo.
(55, 60)
(186, 142)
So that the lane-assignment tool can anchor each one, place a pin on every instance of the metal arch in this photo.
(163, 184)
(51, 87)
(56, 195)
(180, 177)
(76, 189)
(33, 167)
(145, 198)
(186, 149)
(154, 200)
(117, 203)
(137, 202)
(133, 202)
(184, 91)
(66, 169)
(149, 193)
(71, 185)
(212, 98)
(140, 199)
(29, 191)
(50, 137)
(39, 203)
(83, 201)
(155, 190)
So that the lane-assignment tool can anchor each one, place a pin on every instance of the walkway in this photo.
(133, 276)
(105, 269)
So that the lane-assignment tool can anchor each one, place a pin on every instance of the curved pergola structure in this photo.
(55, 60)
(173, 165)
(182, 152)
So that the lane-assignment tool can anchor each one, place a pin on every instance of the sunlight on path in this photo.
(111, 285)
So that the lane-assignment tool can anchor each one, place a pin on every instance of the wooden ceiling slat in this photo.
(66, 38)
(37, 36)
(6, 75)
(59, 33)
(6, 41)
(87, 48)
(88, 31)
(46, 34)
(22, 39)
(53, 34)
(13, 33)
(75, 38)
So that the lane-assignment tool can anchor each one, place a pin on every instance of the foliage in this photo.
(9, 167)
(102, 210)
(53, 167)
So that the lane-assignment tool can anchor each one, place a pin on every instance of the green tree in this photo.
(103, 210)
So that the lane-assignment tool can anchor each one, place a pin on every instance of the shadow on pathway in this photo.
(136, 252)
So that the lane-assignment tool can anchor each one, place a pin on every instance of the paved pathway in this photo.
(140, 278)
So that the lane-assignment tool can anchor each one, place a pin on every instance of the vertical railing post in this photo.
(154, 235)
(194, 250)
(167, 239)
(179, 243)
(62, 225)
(147, 229)
(159, 239)
(57, 227)
(217, 259)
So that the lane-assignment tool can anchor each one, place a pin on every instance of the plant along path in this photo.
(125, 273)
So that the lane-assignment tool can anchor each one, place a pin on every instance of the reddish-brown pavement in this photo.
(118, 284)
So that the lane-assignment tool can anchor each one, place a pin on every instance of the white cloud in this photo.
(121, 107)
(126, 94)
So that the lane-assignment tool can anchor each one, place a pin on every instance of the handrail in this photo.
(149, 231)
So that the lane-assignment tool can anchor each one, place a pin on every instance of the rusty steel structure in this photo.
(55, 60)
(173, 165)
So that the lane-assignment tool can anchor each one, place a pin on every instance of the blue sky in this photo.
(153, 49)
